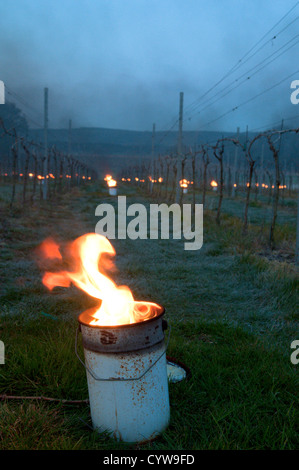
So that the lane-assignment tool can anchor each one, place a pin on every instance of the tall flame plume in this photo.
(89, 259)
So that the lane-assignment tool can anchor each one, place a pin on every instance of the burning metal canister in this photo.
(184, 185)
(214, 185)
(127, 377)
(112, 185)
(123, 340)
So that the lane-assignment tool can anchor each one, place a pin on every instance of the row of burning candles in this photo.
(113, 183)
(184, 183)
(50, 175)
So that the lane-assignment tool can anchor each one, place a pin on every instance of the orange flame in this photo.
(49, 249)
(214, 184)
(87, 252)
(184, 183)
(111, 183)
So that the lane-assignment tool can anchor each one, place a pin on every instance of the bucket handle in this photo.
(120, 379)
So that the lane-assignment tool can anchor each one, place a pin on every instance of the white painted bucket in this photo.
(127, 378)
(113, 191)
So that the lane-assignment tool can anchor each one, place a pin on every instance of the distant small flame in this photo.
(184, 183)
(214, 184)
(111, 183)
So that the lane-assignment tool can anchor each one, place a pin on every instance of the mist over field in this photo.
(122, 65)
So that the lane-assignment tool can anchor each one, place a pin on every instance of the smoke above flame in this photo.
(89, 262)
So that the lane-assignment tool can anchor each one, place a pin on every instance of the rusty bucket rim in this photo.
(126, 325)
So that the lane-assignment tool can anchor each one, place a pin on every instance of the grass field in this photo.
(233, 308)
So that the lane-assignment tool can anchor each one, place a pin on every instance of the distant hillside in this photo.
(111, 149)
(122, 142)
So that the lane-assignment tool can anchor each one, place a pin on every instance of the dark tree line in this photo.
(51, 170)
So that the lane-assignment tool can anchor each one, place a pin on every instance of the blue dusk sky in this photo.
(122, 63)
